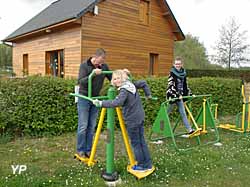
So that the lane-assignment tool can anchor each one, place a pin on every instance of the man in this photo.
(87, 112)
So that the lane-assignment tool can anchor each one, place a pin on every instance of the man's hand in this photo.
(149, 97)
(180, 97)
(97, 71)
(97, 103)
(126, 71)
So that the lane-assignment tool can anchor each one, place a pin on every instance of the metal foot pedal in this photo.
(140, 174)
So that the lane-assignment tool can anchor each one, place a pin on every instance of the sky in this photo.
(201, 18)
(204, 18)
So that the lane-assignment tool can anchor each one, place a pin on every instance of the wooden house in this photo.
(137, 34)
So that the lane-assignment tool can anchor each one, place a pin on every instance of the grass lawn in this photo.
(50, 162)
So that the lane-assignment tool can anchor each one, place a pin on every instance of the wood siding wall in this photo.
(128, 42)
(117, 28)
(68, 39)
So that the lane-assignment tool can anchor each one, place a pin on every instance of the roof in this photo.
(178, 28)
(64, 10)
(58, 11)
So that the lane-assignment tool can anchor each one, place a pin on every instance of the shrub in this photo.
(225, 92)
(39, 105)
(243, 74)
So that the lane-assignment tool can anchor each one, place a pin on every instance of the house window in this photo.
(25, 65)
(153, 64)
(144, 12)
(54, 63)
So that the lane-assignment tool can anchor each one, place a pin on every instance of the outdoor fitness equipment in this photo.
(203, 120)
(244, 125)
(110, 174)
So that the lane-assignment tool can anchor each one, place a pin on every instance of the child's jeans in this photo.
(139, 145)
(183, 114)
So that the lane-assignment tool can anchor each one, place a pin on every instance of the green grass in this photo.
(50, 162)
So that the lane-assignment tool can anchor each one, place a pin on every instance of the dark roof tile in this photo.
(57, 12)
(60, 11)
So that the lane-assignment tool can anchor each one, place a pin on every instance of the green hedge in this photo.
(225, 92)
(39, 105)
(223, 73)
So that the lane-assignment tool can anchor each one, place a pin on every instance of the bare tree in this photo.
(231, 47)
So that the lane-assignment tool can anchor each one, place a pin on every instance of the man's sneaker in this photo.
(87, 155)
(80, 154)
(140, 169)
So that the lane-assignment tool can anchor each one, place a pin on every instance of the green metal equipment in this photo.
(204, 120)
(110, 174)
(242, 121)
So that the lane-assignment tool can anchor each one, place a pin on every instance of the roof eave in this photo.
(178, 34)
(78, 16)
(12, 39)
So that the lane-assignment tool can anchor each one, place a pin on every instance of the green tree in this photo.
(231, 46)
(193, 52)
(5, 56)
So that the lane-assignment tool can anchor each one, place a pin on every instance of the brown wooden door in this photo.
(153, 64)
(54, 63)
(25, 65)
(61, 63)
(47, 63)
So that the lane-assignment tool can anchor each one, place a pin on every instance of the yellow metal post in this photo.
(248, 126)
(243, 107)
(216, 111)
(191, 116)
(242, 91)
(125, 137)
(97, 135)
(243, 114)
(204, 114)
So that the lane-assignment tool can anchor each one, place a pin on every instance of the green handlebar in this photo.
(81, 96)
(90, 81)
(152, 98)
(89, 97)
(187, 97)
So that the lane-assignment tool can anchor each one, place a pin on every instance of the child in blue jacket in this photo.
(133, 114)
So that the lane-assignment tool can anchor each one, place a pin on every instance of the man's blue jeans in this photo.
(139, 145)
(183, 114)
(87, 115)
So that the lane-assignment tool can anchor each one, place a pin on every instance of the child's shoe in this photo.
(191, 132)
(140, 169)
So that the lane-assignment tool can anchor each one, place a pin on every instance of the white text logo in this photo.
(18, 168)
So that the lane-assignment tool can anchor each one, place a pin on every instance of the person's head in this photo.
(178, 63)
(118, 77)
(99, 57)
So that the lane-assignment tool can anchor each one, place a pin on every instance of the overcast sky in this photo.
(201, 18)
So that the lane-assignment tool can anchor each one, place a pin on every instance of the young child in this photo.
(133, 113)
(177, 87)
